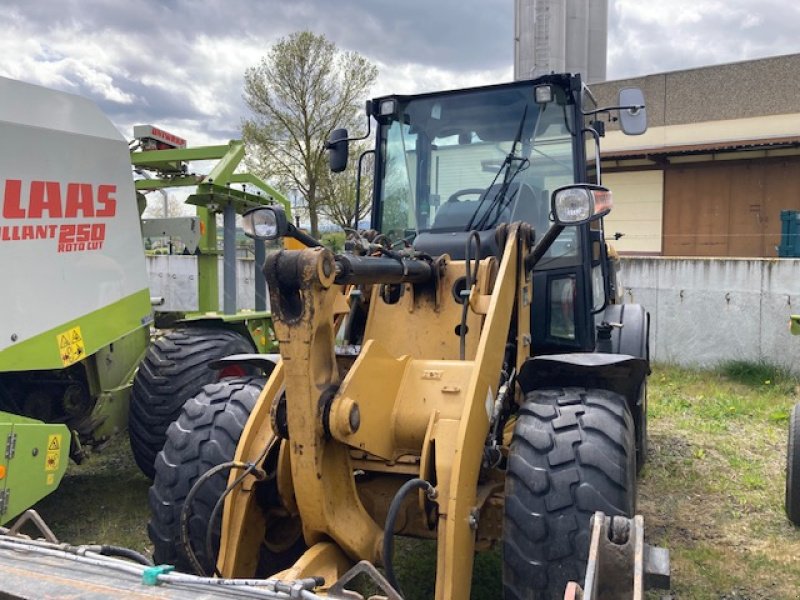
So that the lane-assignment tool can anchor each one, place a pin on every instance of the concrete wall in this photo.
(707, 311)
(174, 278)
(704, 311)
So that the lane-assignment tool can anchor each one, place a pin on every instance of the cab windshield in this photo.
(473, 159)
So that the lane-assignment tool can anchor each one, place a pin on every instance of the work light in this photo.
(575, 204)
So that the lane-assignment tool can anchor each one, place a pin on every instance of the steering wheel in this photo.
(465, 192)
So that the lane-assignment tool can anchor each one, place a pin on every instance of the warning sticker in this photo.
(70, 346)
(51, 478)
(53, 456)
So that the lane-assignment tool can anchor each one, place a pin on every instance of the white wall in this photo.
(705, 310)
(174, 278)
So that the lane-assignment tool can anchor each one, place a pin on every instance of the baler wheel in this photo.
(174, 369)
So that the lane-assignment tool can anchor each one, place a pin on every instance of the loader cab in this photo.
(453, 162)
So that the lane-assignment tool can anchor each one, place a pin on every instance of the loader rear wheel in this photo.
(174, 369)
(573, 452)
(206, 434)
(793, 467)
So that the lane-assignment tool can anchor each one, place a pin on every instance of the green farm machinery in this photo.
(78, 359)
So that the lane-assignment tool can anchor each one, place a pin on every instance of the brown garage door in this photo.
(728, 209)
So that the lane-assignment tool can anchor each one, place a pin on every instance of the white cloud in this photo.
(180, 65)
(651, 36)
(415, 78)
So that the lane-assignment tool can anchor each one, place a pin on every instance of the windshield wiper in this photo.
(499, 200)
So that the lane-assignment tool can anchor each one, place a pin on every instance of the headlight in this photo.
(580, 203)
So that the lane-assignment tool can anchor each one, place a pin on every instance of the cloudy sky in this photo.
(179, 63)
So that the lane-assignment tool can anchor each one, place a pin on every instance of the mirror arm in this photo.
(302, 237)
(329, 145)
(634, 108)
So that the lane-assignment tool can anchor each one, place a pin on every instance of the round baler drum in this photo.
(174, 369)
(793, 467)
(573, 452)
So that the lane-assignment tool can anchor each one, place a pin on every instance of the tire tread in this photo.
(204, 435)
(175, 368)
(572, 453)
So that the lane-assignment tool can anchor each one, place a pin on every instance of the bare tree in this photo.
(162, 203)
(302, 90)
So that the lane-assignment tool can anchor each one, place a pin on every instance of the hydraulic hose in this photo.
(258, 474)
(186, 510)
(273, 589)
(120, 551)
(391, 518)
(468, 281)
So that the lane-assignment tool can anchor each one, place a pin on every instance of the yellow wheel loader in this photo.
(462, 372)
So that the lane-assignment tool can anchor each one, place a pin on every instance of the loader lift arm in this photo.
(321, 466)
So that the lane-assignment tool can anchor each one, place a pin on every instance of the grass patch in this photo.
(102, 500)
(756, 374)
(713, 489)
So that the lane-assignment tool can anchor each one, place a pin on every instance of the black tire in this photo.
(204, 435)
(642, 442)
(572, 453)
(793, 467)
(174, 369)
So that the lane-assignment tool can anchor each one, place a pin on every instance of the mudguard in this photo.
(620, 373)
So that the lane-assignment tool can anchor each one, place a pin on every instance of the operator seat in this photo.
(448, 234)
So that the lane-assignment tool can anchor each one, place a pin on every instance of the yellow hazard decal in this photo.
(51, 478)
(53, 453)
(70, 346)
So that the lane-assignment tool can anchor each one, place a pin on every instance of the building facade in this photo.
(718, 164)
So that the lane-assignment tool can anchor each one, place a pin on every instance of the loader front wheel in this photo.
(793, 467)
(174, 369)
(573, 452)
(205, 435)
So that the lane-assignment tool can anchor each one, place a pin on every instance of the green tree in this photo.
(303, 89)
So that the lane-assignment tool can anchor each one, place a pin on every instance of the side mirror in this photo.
(632, 112)
(265, 223)
(270, 223)
(337, 150)
(580, 203)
